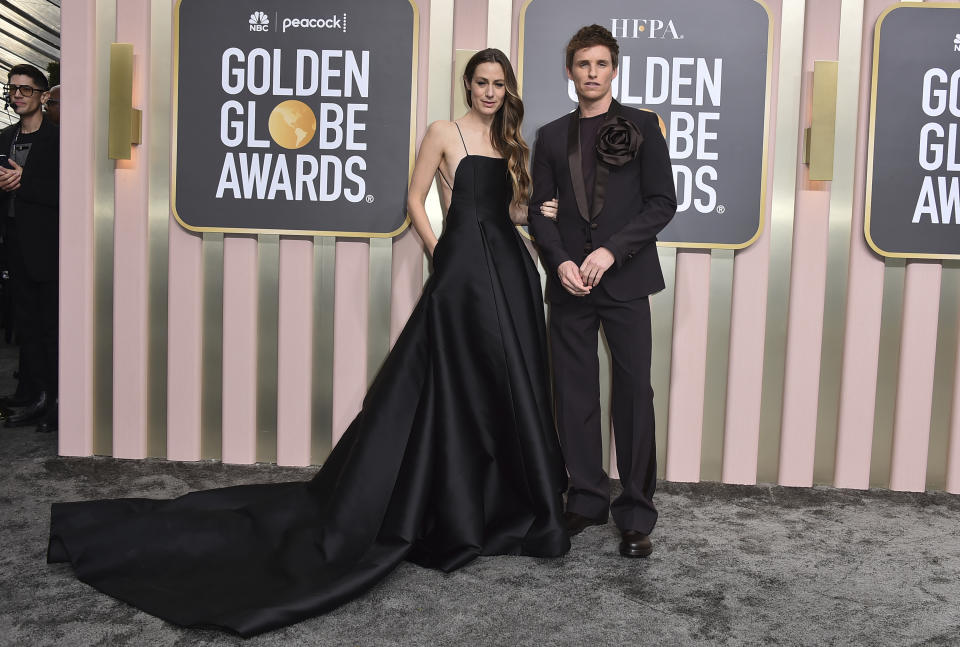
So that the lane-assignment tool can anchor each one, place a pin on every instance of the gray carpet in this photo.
(732, 566)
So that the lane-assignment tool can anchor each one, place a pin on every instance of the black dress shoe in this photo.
(28, 415)
(576, 523)
(15, 400)
(635, 544)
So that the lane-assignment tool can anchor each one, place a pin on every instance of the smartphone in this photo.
(5, 161)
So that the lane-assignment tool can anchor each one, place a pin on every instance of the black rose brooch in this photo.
(618, 142)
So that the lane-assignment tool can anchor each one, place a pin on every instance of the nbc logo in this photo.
(259, 21)
(956, 43)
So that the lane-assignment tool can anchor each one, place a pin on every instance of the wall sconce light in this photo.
(124, 120)
(819, 137)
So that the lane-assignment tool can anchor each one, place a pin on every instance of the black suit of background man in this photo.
(630, 205)
(31, 238)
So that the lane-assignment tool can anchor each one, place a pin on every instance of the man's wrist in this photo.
(613, 251)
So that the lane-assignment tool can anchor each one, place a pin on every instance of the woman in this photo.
(453, 454)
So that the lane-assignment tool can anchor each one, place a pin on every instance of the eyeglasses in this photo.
(25, 90)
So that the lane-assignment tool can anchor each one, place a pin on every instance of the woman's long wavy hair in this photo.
(505, 131)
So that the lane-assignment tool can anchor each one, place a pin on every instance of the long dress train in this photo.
(453, 455)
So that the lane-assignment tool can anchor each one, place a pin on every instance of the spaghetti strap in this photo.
(461, 138)
(442, 177)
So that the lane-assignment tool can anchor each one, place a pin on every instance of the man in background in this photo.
(29, 206)
(53, 105)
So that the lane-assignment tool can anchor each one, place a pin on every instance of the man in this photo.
(609, 167)
(52, 104)
(29, 203)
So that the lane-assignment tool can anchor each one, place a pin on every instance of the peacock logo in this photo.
(259, 21)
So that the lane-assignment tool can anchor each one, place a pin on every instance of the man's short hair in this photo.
(590, 36)
(34, 73)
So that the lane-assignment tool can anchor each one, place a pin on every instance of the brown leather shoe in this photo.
(577, 523)
(635, 544)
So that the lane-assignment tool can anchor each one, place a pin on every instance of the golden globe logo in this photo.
(336, 166)
(292, 124)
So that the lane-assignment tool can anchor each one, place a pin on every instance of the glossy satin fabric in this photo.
(453, 455)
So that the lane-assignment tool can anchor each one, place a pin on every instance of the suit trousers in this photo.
(36, 310)
(574, 327)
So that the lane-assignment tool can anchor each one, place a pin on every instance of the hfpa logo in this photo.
(259, 21)
(644, 28)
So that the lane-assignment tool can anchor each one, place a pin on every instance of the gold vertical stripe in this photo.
(211, 410)
(838, 251)
(661, 315)
(943, 377)
(458, 99)
(268, 312)
(887, 369)
(158, 141)
(781, 235)
(499, 24)
(324, 261)
(718, 356)
(440, 51)
(440, 71)
(378, 327)
(103, 240)
(518, 68)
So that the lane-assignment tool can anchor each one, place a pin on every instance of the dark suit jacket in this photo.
(37, 202)
(632, 203)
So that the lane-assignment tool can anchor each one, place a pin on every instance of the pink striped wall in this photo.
(689, 364)
(295, 350)
(741, 439)
(130, 267)
(805, 385)
(239, 341)
(801, 384)
(78, 40)
(864, 302)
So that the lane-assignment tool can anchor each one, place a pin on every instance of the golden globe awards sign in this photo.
(704, 68)
(913, 179)
(294, 116)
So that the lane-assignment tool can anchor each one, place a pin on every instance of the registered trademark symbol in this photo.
(369, 199)
(721, 209)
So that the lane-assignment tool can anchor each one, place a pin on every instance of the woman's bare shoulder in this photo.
(442, 136)
(442, 130)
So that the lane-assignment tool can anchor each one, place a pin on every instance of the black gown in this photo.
(453, 455)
